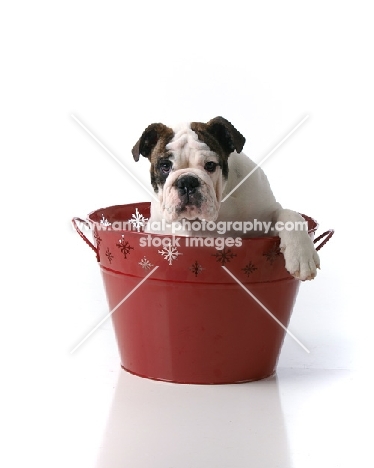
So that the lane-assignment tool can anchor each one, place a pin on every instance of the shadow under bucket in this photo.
(192, 314)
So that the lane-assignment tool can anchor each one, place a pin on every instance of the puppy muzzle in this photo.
(190, 195)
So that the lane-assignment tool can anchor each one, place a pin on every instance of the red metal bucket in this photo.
(183, 313)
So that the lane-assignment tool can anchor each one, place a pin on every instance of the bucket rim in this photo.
(147, 205)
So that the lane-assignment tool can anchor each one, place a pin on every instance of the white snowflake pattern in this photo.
(138, 220)
(145, 264)
(170, 253)
(104, 221)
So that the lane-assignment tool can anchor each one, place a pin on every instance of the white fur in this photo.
(189, 157)
(253, 200)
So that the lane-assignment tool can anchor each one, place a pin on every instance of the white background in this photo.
(119, 66)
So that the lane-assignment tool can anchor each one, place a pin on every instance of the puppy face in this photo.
(189, 166)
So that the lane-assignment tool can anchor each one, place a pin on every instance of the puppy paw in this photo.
(301, 258)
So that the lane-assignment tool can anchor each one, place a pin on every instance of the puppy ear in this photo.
(226, 134)
(149, 139)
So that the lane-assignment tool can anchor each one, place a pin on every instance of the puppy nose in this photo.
(187, 185)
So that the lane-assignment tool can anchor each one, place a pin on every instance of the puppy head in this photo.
(189, 165)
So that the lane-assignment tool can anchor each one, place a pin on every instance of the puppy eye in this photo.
(165, 166)
(210, 166)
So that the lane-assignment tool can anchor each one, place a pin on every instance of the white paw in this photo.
(300, 257)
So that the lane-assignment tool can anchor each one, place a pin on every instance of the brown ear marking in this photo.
(149, 139)
(226, 134)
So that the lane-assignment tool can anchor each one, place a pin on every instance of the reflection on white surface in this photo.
(301, 418)
(157, 424)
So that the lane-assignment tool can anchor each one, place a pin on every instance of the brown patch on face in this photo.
(152, 145)
(154, 135)
(221, 137)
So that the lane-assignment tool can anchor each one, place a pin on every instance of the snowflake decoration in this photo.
(124, 246)
(249, 268)
(272, 254)
(97, 239)
(224, 256)
(138, 220)
(196, 268)
(170, 253)
(145, 264)
(109, 255)
(104, 221)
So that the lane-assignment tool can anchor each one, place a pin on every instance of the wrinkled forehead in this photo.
(185, 144)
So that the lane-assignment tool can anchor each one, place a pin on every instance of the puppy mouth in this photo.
(190, 197)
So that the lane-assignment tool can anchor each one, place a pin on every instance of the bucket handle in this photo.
(327, 234)
(88, 242)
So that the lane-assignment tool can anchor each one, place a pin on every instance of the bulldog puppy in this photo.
(195, 165)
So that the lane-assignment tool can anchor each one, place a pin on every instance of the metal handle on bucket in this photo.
(88, 242)
(328, 234)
